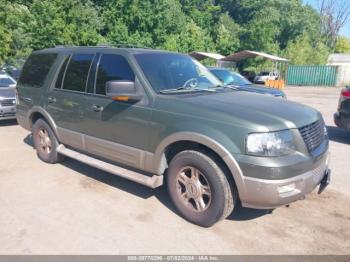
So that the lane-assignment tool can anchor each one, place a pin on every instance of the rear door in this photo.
(34, 80)
(66, 100)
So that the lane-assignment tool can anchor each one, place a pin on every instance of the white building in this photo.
(342, 61)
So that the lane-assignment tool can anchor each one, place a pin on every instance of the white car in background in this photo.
(263, 76)
(7, 97)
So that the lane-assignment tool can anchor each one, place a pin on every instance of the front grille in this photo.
(7, 102)
(313, 134)
(8, 114)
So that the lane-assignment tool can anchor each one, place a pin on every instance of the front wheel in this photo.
(199, 188)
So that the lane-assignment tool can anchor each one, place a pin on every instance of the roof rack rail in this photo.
(105, 45)
(64, 46)
(122, 45)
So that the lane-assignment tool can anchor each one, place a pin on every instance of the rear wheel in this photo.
(199, 188)
(45, 142)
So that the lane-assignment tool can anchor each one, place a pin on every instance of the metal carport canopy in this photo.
(236, 57)
(203, 55)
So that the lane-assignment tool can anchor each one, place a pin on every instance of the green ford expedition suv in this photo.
(158, 117)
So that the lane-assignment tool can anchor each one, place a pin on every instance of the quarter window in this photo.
(112, 67)
(36, 69)
(77, 72)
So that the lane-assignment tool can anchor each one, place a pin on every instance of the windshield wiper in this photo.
(231, 86)
(185, 88)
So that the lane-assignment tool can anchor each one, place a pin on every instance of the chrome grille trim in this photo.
(8, 114)
(313, 134)
(7, 102)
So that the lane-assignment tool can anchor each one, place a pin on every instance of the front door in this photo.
(116, 130)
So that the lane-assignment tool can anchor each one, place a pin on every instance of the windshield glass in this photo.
(229, 77)
(6, 82)
(170, 71)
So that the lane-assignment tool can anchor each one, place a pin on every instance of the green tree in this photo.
(148, 23)
(194, 38)
(304, 51)
(17, 18)
(285, 27)
(5, 40)
(228, 34)
(204, 13)
(63, 22)
(342, 45)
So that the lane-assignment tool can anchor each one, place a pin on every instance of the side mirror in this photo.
(122, 90)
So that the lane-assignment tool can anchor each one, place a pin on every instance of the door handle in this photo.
(51, 99)
(27, 99)
(97, 108)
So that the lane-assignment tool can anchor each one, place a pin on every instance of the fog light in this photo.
(286, 189)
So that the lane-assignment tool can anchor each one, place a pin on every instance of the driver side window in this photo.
(112, 67)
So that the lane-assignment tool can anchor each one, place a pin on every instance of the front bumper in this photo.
(268, 194)
(7, 112)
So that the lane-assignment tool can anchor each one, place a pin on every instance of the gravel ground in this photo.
(71, 208)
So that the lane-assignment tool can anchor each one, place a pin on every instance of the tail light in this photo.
(345, 93)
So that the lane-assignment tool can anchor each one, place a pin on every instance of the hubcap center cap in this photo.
(192, 190)
(47, 141)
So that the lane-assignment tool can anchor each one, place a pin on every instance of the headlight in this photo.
(279, 143)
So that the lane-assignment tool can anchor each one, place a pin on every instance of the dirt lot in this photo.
(71, 208)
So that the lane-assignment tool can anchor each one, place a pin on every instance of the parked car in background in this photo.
(250, 75)
(263, 76)
(342, 116)
(13, 71)
(7, 97)
(158, 117)
(234, 79)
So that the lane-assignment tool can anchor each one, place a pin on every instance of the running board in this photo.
(150, 181)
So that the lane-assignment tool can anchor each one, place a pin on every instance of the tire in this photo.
(45, 142)
(199, 188)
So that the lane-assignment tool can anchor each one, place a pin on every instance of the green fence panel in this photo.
(312, 75)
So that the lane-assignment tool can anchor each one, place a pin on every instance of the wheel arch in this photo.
(191, 140)
(38, 112)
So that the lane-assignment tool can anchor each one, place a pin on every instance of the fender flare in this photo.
(160, 161)
(42, 111)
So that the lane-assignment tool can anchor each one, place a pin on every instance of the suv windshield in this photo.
(168, 72)
(230, 78)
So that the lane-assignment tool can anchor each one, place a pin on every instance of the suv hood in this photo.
(7, 93)
(251, 110)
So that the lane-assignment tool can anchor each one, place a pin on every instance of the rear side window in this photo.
(77, 72)
(36, 69)
(112, 67)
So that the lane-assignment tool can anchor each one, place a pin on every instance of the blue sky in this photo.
(346, 29)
